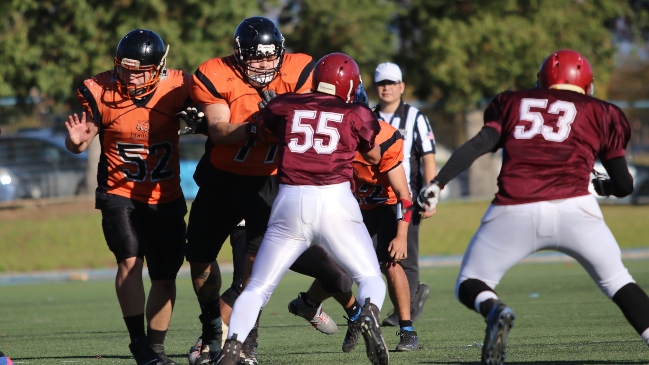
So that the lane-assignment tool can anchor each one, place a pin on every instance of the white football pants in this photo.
(327, 215)
(575, 226)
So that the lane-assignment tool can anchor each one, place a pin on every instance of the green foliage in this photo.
(54, 45)
(463, 51)
(358, 28)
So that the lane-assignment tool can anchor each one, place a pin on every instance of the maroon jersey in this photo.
(550, 139)
(319, 135)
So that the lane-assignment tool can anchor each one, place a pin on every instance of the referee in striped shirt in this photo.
(420, 166)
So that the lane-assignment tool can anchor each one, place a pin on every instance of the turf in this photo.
(562, 318)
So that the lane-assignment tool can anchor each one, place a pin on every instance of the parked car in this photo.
(35, 164)
(191, 150)
(640, 193)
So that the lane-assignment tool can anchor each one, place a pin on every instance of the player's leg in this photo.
(346, 238)
(331, 280)
(119, 219)
(164, 253)
(585, 237)
(210, 222)
(418, 292)
(506, 235)
(283, 243)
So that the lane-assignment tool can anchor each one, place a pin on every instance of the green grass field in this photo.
(69, 236)
(562, 318)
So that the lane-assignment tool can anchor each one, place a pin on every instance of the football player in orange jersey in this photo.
(132, 109)
(236, 176)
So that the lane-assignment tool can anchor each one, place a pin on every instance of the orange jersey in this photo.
(219, 81)
(139, 138)
(372, 185)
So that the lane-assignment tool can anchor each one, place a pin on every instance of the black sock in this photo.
(309, 302)
(633, 302)
(155, 337)
(406, 325)
(135, 326)
(354, 310)
(211, 321)
(487, 306)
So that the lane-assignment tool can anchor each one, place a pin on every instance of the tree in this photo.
(358, 28)
(54, 45)
(464, 51)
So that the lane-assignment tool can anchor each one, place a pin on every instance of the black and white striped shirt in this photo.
(418, 136)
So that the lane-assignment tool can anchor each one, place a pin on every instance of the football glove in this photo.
(602, 184)
(429, 196)
(194, 120)
(267, 96)
(361, 96)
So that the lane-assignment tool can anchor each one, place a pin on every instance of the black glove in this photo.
(602, 184)
(267, 95)
(195, 121)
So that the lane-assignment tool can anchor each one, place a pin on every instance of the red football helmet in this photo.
(337, 74)
(566, 69)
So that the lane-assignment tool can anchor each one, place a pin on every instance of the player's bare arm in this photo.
(81, 132)
(373, 156)
(398, 247)
(221, 131)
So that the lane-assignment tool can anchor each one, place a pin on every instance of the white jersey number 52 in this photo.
(538, 127)
(323, 128)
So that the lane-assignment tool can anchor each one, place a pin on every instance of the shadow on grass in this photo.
(579, 362)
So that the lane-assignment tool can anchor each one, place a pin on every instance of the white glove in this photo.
(429, 196)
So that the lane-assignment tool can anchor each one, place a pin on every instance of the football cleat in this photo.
(423, 291)
(392, 320)
(199, 355)
(160, 350)
(318, 319)
(408, 341)
(230, 354)
(143, 353)
(375, 346)
(352, 336)
(499, 321)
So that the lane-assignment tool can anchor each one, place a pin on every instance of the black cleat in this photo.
(230, 354)
(423, 291)
(392, 320)
(408, 341)
(353, 335)
(143, 353)
(499, 321)
(377, 349)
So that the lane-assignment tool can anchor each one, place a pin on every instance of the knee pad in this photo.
(337, 282)
(231, 294)
(469, 289)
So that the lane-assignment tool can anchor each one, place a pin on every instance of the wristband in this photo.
(404, 210)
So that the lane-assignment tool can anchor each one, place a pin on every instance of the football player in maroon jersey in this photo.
(319, 135)
(550, 136)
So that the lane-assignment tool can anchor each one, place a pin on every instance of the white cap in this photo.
(387, 71)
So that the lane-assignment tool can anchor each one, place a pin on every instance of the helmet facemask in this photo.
(258, 76)
(138, 91)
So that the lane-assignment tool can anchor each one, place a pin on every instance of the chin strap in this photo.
(404, 210)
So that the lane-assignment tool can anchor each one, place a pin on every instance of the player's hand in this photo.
(267, 95)
(195, 121)
(428, 213)
(429, 196)
(398, 249)
(77, 128)
(602, 184)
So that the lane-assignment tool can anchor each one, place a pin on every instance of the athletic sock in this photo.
(211, 321)
(135, 326)
(354, 311)
(406, 325)
(309, 302)
(156, 338)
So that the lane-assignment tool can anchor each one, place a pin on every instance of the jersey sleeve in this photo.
(367, 128)
(86, 97)
(493, 116)
(617, 134)
(298, 71)
(424, 137)
(392, 155)
(203, 89)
